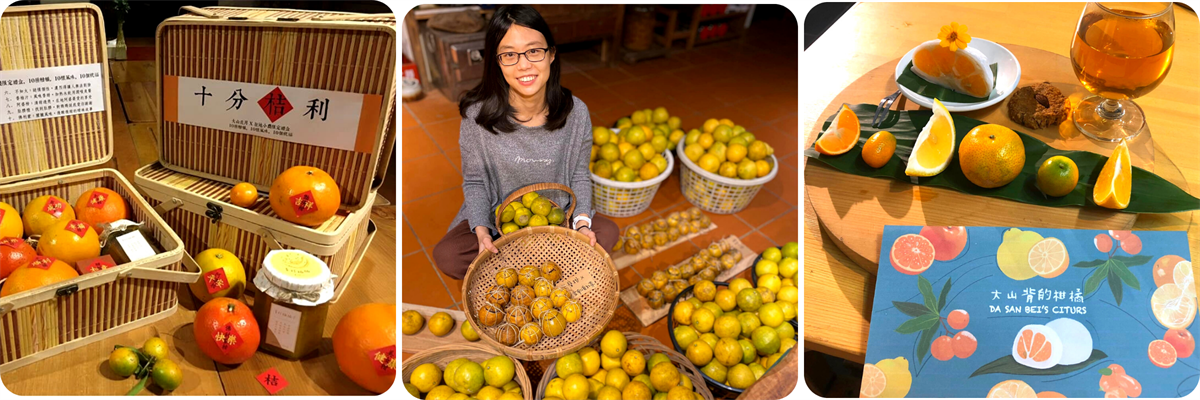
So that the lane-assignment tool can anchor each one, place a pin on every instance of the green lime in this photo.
(166, 374)
(155, 347)
(123, 361)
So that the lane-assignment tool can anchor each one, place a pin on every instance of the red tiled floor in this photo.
(668, 194)
(421, 283)
(639, 92)
(757, 242)
(406, 118)
(783, 144)
(576, 80)
(608, 117)
(608, 76)
(416, 143)
(599, 99)
(431, 216)
(636, 219)
(784, 229)
(765, 207)
(433, 108)
(785, 185)
(428, 175)
(409, 240)
(793, 160)
(454, 286)
(658, 330)
(628, 277)
(445, 133)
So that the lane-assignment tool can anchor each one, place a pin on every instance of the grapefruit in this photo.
(234, 273)
(100, 206)
(912, 254)
(873, 381)
(1048, 258)
(1164, 268)
(10, 221)
(70, 241)
(1172, 307)
(364, 343)
(1162, 354)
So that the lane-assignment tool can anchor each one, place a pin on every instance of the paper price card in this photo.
(1031, 312)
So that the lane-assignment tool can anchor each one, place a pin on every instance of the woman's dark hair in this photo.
(492, 91)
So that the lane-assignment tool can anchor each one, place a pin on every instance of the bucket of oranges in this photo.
(724, 166)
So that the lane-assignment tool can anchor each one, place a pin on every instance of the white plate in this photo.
(1008, 73)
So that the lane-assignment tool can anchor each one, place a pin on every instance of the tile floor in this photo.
(751, 81)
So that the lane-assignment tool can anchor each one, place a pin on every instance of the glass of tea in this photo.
(1121, 51)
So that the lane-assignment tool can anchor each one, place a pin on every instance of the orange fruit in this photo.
(1037, 346)
(235, 275)
(1116, 180)
(1162, 354)
(100, 206)
(10, 222)
(228, 318)
(1049, 258)
(1051, 395)
(1011, 389)
(243, 195)
(305, 195)
(45, 211)
(1057, 176)
(70, 241)
(842, 134)
(1172, 307)
(879, 149)
(40, 272)
(873, 381)
(364, 343)
(1164, 269)
(912, 254)
(14, 253)
(991, 155)
(934, 148)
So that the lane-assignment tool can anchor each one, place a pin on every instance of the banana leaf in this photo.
(919, 85)
(1150, 193)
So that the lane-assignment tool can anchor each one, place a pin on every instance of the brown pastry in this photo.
(1038, 106)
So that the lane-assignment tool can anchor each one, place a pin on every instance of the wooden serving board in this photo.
(854, 209)
(423, 339)
(647, 315)
(625, 259)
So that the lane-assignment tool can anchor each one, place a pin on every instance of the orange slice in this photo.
(1172, 307)
(1049, 258)
(934, 146)
(1115, 181)
(874, 381)
(1183, 278)
(842, 134)
(1012, 389)
(1162, 354)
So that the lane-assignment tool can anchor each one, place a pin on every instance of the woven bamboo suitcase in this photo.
(35, 156)
(199, 166)
(346, 53)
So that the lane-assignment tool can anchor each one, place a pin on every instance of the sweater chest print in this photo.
(537, 161)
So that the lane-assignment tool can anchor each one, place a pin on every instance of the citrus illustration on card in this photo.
(1032, 312)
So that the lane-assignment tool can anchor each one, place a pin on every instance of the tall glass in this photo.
(1121, 51)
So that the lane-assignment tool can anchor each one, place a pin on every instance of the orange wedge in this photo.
(1116, 180)
(842, 134)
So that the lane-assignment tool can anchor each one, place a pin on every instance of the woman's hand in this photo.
(587, 231)
(485, 240)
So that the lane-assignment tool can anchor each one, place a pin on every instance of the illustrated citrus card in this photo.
(1030, 312)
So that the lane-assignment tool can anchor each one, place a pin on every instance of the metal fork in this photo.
(885, 105)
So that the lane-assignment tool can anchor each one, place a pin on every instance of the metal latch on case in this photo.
(214, 212)
(66, 290)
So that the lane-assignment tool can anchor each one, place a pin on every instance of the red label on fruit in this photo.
(42, 262)
(384, 360)
(272, 380)
(2, 215)
(96, 264)
(227, 338)
(10, 241)
(54, 207)
(215, 280)
(97, 200)
(303, 203)
(79, 228)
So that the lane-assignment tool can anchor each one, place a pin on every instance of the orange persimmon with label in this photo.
(305, 195)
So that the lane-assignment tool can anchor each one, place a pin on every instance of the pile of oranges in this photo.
(65, 236)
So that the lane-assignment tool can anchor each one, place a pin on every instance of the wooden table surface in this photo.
(837, 293)
(84, 371)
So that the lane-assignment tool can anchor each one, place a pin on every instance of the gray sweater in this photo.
(495, 165)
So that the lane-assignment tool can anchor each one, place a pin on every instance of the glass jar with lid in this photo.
(294, 289)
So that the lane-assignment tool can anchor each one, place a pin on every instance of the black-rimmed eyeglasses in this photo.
(511, 58)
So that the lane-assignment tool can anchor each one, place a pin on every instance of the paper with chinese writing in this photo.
(968, 312)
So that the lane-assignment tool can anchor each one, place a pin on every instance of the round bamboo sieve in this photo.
(588, 273)
(443, 355)
(648, 346)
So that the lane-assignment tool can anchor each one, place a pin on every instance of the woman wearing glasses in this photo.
(519, 127)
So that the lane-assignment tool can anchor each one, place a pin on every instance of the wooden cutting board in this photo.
(854, 209)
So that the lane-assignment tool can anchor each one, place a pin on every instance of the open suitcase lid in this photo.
(245, 93)
(55, 114)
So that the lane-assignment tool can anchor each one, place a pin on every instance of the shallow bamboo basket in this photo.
(443, 355)
(588, 273)
(648, 346)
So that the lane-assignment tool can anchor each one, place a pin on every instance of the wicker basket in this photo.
(722, 389)
(443, 355)
(718, 194)
(648, 346)
(588, 273)
(626, 199)
(515, 196)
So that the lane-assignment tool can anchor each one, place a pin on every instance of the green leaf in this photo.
(925, 341)
(1093, 282)
(1151, 193)
(918, 323)
(919, 85)
(1114, 283)
(942, 297)
(1126, 276)
(1008, 365)
(911, 309)
(1089, 264)
(927, 294)
(1134, 260)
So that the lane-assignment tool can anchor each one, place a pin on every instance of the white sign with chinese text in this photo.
(37, 93)
(340, 120)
